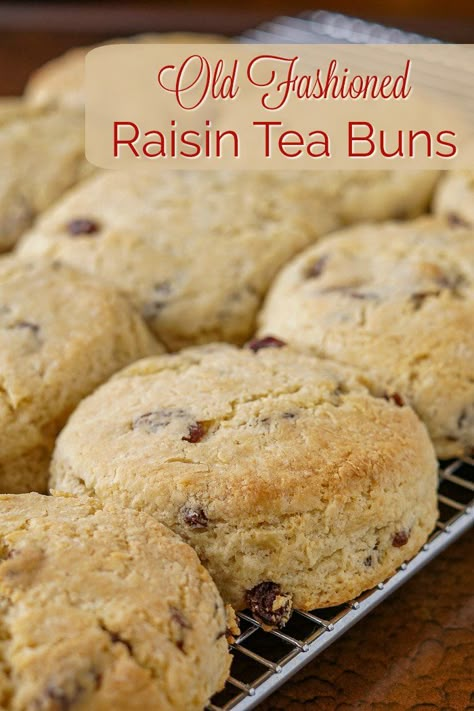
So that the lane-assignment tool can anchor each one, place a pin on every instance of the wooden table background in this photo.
(416, 651)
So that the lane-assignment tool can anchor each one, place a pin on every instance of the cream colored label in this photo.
(253, 106)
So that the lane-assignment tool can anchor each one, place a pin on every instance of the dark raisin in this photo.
(456, 221)
(161, 292)
(196, 432)
(195, 518)
(182, 624)
(267, 342)
(396, 398)
(33, 327)
(57, 699)
(368, 561)
(82, 226)
(179, 618)
(400, 538)
(316, 269)
(289, 415)
(269, 604)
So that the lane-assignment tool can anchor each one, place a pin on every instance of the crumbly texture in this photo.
(196, 251)
(277, 467)
(61, 80)
(61, 334)
(454, 198)
(42, 154)
(103, 609)
(396, 300)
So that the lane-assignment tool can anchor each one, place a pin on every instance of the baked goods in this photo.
(196, 251)
(42, 154)
(61, 80)
(103, 609)
(61, 334)
(396, 300)
(294, 483)
(454, 197)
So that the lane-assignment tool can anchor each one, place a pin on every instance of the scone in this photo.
(196, 251)
(61, 334)
(103, 609)
(42, 154)
(293, 482)
(61, 80)
(454, 198)
(396, 300)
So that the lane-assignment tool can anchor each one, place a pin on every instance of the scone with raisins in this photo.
(103, 609)
(62, 333)
(295, 481)
(196, 251)
(396, 300)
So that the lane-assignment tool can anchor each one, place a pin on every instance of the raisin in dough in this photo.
(196, 251)
(396, 300)
(454, 197)
(41, 156)
(61, 334)
(294, 484)
(61, 80)
(103, 609)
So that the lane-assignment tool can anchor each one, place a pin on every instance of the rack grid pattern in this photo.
(263, 661)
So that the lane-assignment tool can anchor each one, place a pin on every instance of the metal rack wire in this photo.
(263, 661)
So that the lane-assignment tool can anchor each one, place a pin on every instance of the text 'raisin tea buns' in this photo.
(454, 197)
(61, 334)
(396, 300)
(293, 482)
(103, 609)
(61, 80)
(42, 155)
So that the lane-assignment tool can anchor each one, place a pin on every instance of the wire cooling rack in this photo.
(263, 661)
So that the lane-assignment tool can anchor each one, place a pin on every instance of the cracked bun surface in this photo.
(397, 301)
(103, 609)
(295, 482)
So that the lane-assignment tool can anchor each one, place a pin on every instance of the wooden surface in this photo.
(416, 651)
